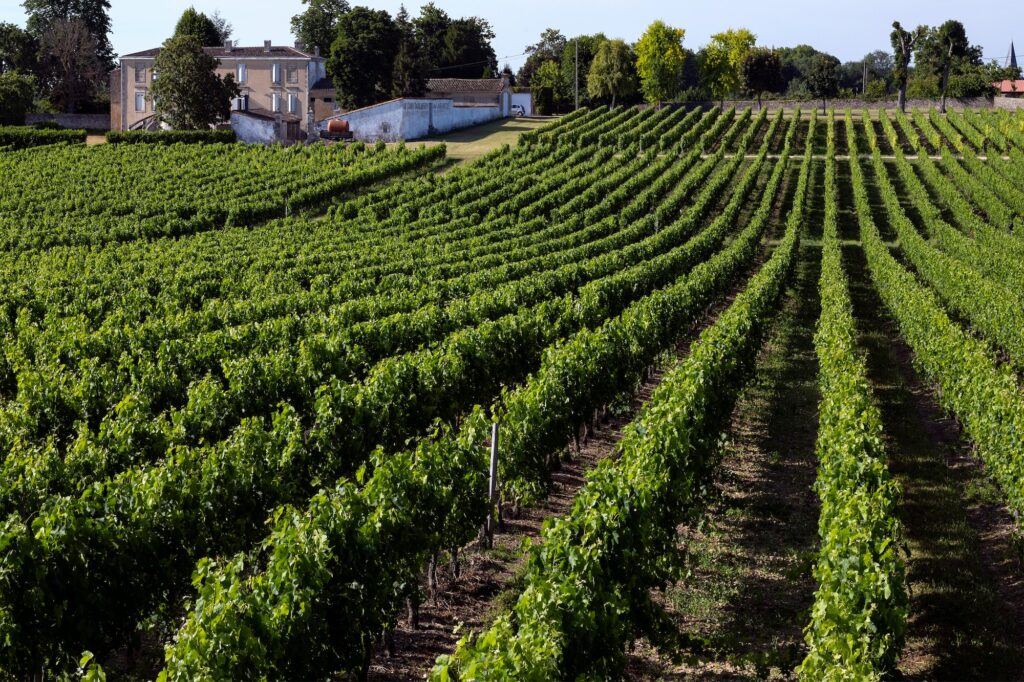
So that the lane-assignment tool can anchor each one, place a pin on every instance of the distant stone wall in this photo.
(1009, 103)
(252, 129)
(73, 121)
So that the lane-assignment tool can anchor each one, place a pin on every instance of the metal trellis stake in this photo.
(492, 488)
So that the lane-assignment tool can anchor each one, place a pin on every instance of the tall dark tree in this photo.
(548, 49)
(942, 49)
(197, 24)
(94, 14)
(467, 50)
(189, 95)
(823, 78)
(796, 63)
(70, 65)
(760, 72)
(16, 93)
(223, 27)
(903, 43)
(432, 30)
(410, 70)
(317, 26)
(363, 56)
(18, 49)
(581, 60)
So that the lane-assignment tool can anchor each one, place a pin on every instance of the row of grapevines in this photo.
(859, 614)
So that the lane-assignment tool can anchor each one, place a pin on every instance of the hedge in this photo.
(170, 136)
(20, 137)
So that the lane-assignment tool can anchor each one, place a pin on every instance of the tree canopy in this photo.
(659, 61)
(760, 72)
(362, 57)
(18, 49)
(549, 48)
(823, 77)
(409, 76)
(316, 27)
(16, 93)
(721, 60)
(612, 73)
(189, 95)
(199, 25)
(94, 15)
(903, 43)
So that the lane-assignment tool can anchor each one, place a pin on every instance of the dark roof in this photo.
(494, 85)
(323, 84)
(235, 52)
(259, 112)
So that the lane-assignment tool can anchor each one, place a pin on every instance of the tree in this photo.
(823, 78)
(549, 49)
(879, 66)
(16, 93)
(316, 27)
(942, 48)
(903, 43)
(18, 49)
(722, 58)
(467, 49)
(363, 56)
(612, 73)
(193, 23)
(223, 27)
(94, 14)
(760, 72)
(410, 70)
(796, 63)
(578, 53)
(431, 30)
(659, 61)
(545, 82)
(70, 64)
(189, 95)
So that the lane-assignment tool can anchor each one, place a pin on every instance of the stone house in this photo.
(287, 86)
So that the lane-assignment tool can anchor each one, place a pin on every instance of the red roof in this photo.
(1009, 87)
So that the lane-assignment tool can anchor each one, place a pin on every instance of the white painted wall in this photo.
(411, 119)
(524, 99)
(253, 130)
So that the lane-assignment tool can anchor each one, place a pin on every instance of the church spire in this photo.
(1011, 58)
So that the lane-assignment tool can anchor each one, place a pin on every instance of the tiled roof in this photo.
(1009, 87)
(259, 112)
(323, 84)
(236, 52)
(494, 85)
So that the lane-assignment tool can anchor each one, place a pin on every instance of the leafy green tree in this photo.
(549, 48)
(18, 49)
(722, 57)
(587, 47)
(903, 43)
(613, 72)
(410, 69)
(823, 78)
(467, 49)
(431, 29)
(189, 95)
(796, 63)
(193, 23)
(363, 56)
(16, 93)
(659, 61)
(223, 26)
(546, 81)
(317, 26)
(943, 49)
(94, 14)
(760, 72)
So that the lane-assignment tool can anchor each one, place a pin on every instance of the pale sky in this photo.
(847, 30)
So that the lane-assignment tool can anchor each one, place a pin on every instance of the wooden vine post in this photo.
(492, 490)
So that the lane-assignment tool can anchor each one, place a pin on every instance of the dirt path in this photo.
(966, 618)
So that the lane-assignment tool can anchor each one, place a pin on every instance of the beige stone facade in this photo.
(273, 79)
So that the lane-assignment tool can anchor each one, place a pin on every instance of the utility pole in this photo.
(577, 43)
(864, 80)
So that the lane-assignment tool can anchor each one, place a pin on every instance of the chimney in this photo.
(228, 45)
(316, 51)
(266, 46)
(300, 46)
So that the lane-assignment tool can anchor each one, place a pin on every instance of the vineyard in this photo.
(248, 395)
